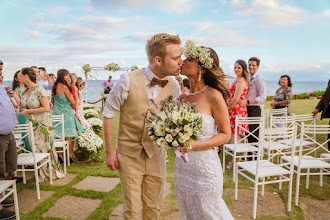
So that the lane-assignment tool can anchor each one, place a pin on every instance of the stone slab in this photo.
(98, 183)
(72, 207)
(61, 182)
(27, 199)
(315, 209)
(269, 204)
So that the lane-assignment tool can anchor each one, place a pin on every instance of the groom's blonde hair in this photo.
(156, 45)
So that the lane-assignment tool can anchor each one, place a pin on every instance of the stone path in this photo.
(315, 209)
(98, 183)
(64, 208)
(61, 182)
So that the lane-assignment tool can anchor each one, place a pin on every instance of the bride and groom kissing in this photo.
(141, 165)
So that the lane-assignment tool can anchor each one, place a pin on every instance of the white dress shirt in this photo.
(257, 89)
(120, 90)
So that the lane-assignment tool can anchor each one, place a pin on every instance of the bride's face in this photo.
(190, 67)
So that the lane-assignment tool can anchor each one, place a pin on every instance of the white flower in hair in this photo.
(201, 54)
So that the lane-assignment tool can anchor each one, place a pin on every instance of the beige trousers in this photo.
(142, 180)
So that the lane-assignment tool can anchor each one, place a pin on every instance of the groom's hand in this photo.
(112, 161)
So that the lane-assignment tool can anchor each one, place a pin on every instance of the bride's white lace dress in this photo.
(199, 182)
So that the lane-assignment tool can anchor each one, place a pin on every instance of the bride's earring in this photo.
(199, 76)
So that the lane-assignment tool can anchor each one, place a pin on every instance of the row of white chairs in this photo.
(7, 188)
(30, 160)
(279, 140)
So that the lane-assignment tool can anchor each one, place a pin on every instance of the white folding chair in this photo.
(7, 188)
(61, 145)
(281, 112)
(242, 147)
(306, 162)
(262, 169)
(31, 158)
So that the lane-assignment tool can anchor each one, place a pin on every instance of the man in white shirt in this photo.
(255, 96)
(140, 164)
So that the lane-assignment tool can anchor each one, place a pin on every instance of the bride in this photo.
(199, 182)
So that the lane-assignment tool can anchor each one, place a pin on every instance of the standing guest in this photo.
(283, 95)
(8, 153)
(52, 78)
(238, 90)
(255, 96)
(323, 106)
(63, 103)
(80, 85)
(186, 85)
(18, 87)
(141, 164)
(107, 85)
(1, 79)
(35, 104)
(45, 81)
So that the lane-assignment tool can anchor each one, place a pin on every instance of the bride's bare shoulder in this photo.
(214, 95)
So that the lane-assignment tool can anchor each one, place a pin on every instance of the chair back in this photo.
(58, 122)
(241, 122)
(21, 131)
(312, 132)
(281, 112)
(278, 122)
(270, 137)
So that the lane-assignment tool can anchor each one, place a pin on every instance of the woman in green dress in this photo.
(35, 105)
(64, 103)
(18, 87)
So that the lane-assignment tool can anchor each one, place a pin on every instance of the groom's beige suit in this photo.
(142, 166)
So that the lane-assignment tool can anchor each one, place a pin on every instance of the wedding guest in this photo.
(238, 90)
(52, 78)
(1, 67)
(255, 96)
(8, 152)
(63, 103)
(35, 104)
(107, 85)
(1, 79)
(323, 106)
(80, 85)
(283, 95)
(18, 87)
(45, 81)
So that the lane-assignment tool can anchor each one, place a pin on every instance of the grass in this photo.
(111, 199)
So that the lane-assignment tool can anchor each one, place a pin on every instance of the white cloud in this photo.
(326, 13)
(269, 13)
(31, 34)
(55, 12)
(179, 6)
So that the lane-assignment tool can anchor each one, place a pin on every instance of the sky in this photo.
(289, 36)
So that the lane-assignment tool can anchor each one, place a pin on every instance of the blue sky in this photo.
(289, 36)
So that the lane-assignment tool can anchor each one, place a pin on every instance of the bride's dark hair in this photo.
(214, 77)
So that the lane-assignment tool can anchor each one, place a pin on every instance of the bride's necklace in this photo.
(199, 91)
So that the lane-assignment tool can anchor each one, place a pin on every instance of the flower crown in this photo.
(201, 54)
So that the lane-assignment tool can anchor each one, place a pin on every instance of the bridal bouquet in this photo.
(176, 123)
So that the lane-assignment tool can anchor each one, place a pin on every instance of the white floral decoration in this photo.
(89, 143)
(87, 69)
(201, 54)
(88, 106)
(96, 123)
(133, 68)
(112, 67)
(90, 113)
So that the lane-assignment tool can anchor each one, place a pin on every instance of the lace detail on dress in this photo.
(199, 182)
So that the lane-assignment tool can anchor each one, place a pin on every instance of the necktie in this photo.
(156, 81)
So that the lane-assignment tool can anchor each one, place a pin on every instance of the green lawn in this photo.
(112, 199)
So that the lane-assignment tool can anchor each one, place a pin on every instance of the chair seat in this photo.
(308, 162)
(5, 184)
(60, 143)
(275, 146)
(266, 168)
(297, 143)
(241, 147)
(27, 158)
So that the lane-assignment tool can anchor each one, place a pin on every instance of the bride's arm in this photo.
(220, 114)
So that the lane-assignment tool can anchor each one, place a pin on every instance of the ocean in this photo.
(95, 88)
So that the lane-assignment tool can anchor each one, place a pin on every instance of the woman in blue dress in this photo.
(64, 103)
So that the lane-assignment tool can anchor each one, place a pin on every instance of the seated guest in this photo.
(107, 85)
(63, 102)
(35, 104)
(283, 95)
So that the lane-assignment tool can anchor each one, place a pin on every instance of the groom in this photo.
(141, 164)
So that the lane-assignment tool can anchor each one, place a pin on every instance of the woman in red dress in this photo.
(238, 90)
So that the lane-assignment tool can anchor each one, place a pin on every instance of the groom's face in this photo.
(172, 60)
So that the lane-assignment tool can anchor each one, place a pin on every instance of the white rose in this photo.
(160, 141)
(169, 138)
(175, 143)
(182, 139)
